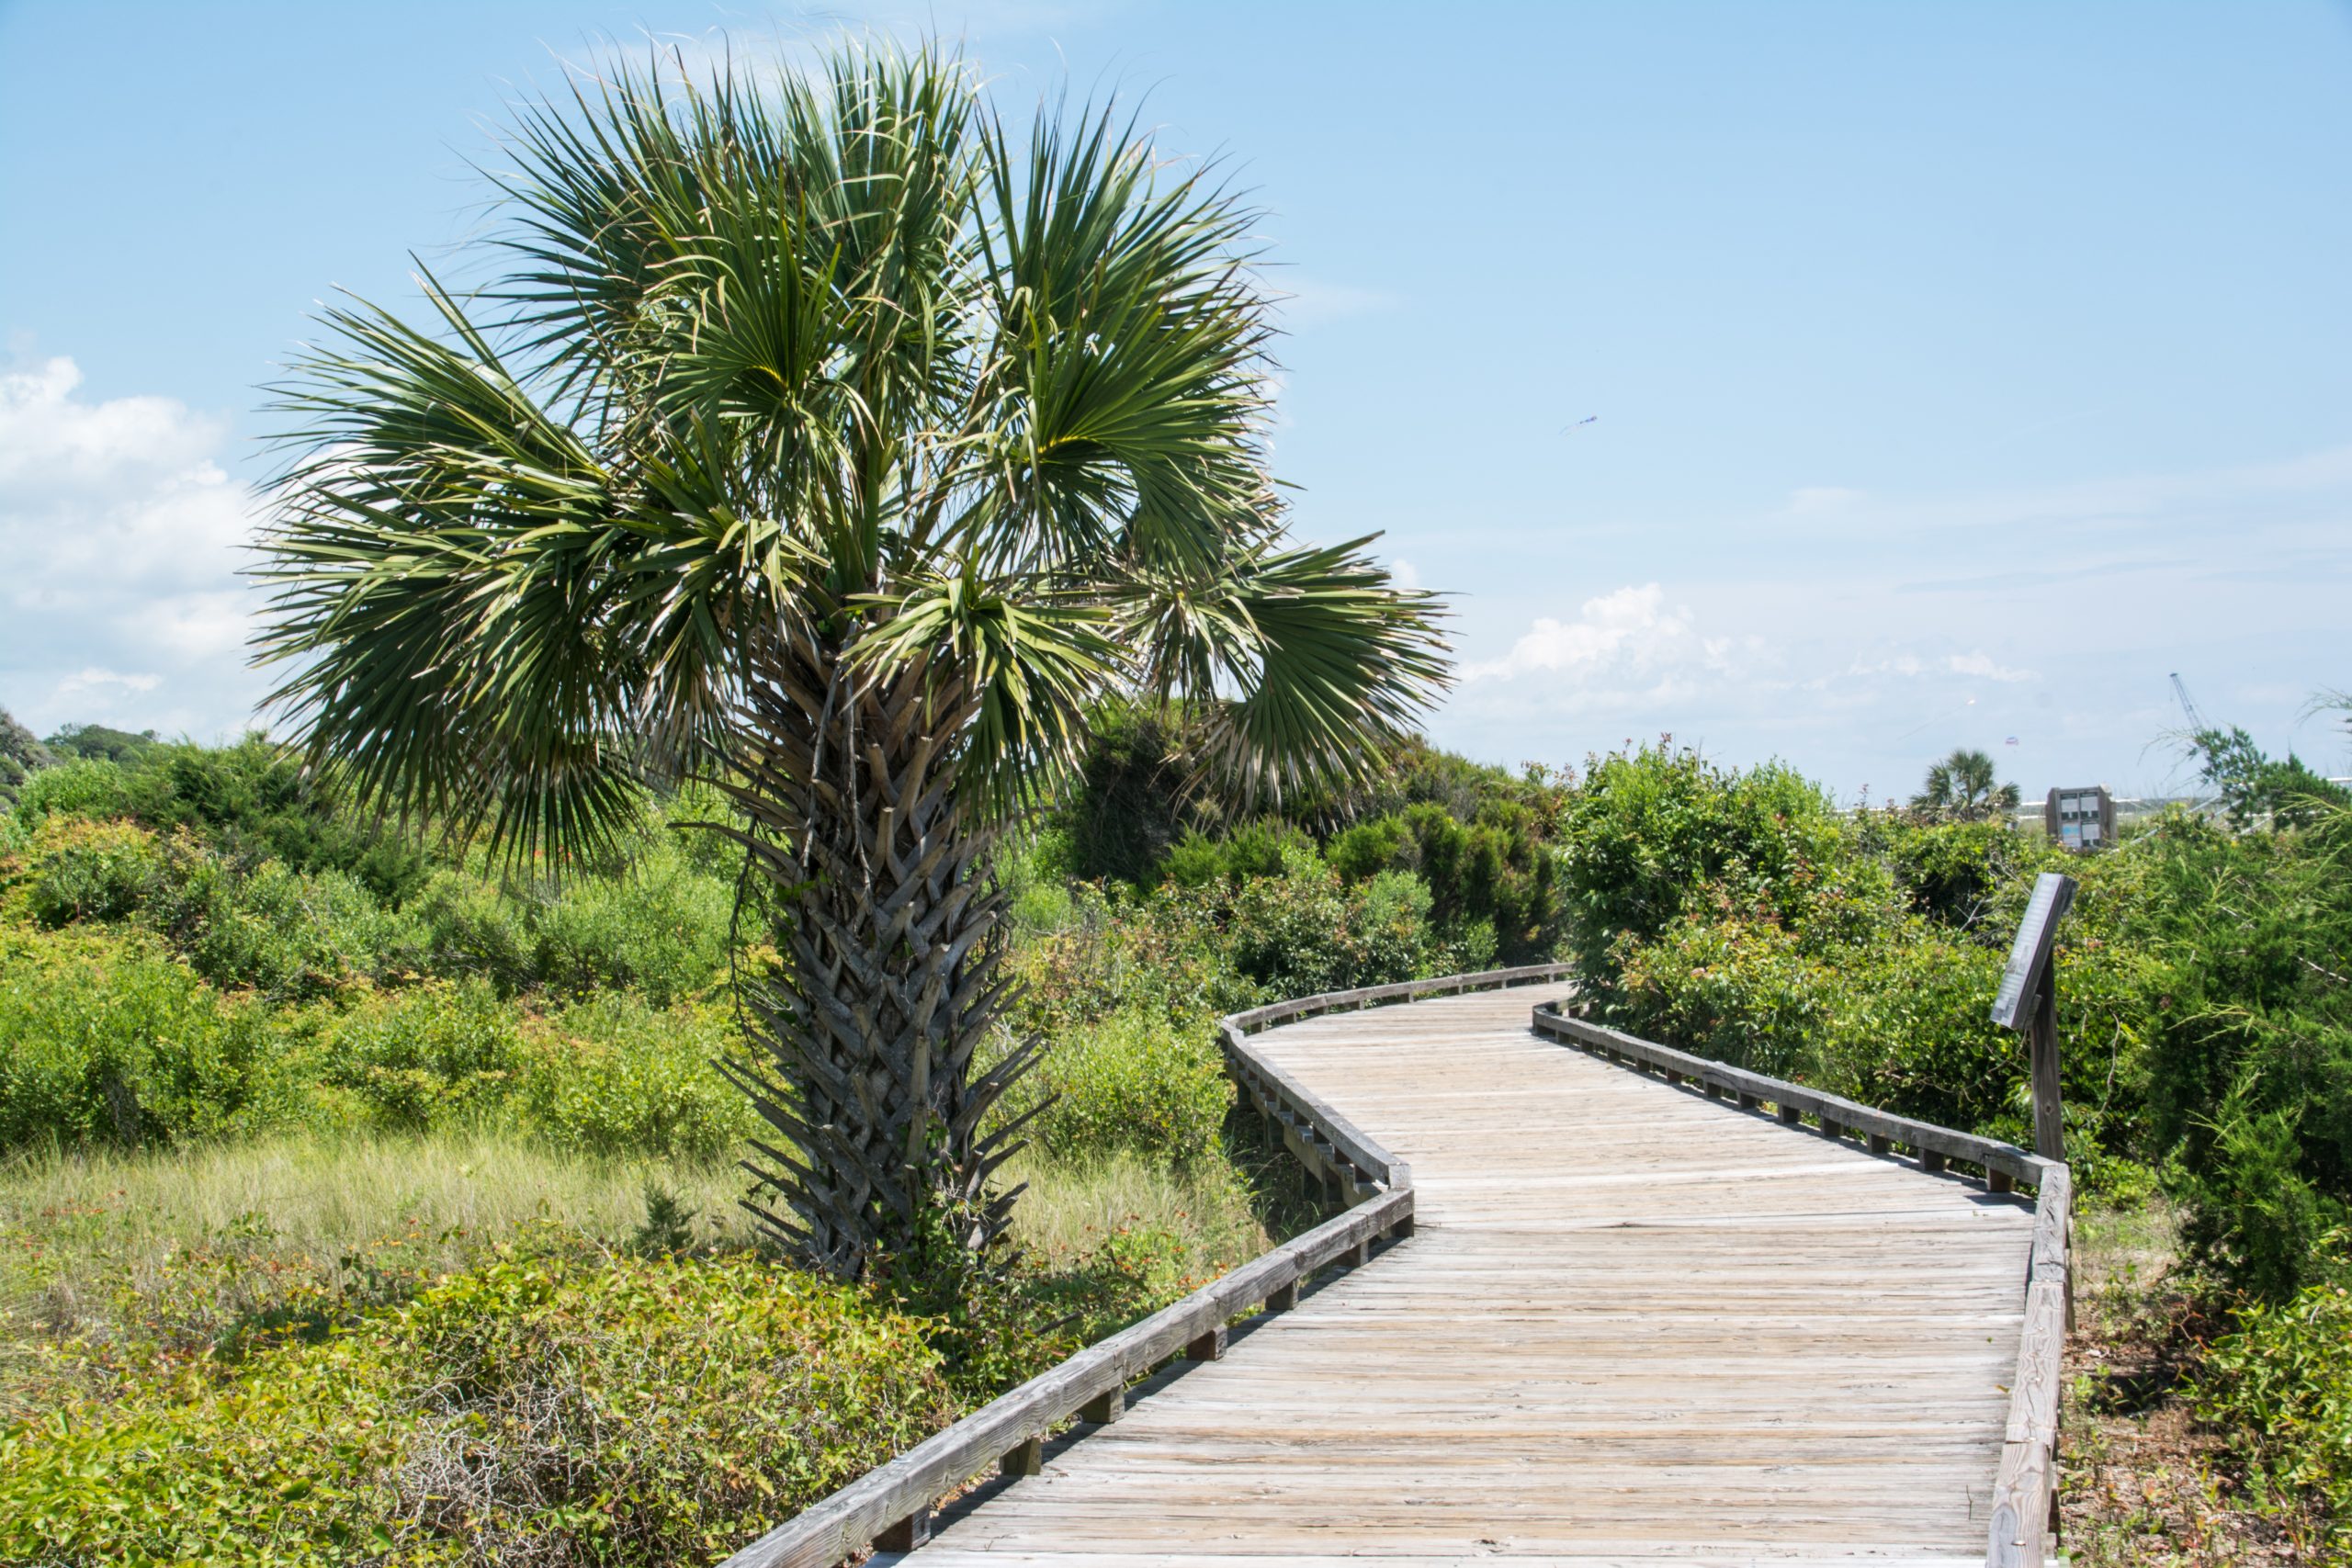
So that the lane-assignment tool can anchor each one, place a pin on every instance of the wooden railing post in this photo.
(2048, 1120)
(2027, 1003)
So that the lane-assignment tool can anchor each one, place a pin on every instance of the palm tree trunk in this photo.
(864, 1037)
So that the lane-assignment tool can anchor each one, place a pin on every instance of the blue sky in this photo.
(1954, 373)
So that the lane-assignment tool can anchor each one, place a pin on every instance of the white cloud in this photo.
(1629, 626)
(1816, 500)
(1403, 574)
(1983, 664)
(93, 679)
(122, 536)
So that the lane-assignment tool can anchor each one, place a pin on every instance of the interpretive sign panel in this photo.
(2053, 893)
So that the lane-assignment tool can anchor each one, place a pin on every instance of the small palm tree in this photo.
(1964, 785)
(836, 443)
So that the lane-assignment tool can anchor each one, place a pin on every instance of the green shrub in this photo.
(1493, 871)
(1366, 850)
(2248, 1073)
(1309, 931)
(470, 926)
(1952, 870)
(426, 1057)
(2280, 1388)
(1130, 808)
(289, 933)
(21, 756)
(1134, 1081)
(1267, 847)
(614, 1075)
(540, 1411)
(1655, 833)
(81, 870)
(122, 747)
(1035, 870)
(253, 801)
(102, 1040)
(658, 929)
(86, 786)
(1109, 951)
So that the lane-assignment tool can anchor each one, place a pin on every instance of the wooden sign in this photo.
(2053, 893)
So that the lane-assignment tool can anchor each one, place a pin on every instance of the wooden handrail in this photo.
(893, 1502)
(2025, 1488)
(2005, 1164)
(2025, 1492)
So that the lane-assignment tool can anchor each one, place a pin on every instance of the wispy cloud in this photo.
(123, 536)
(1864, 633)
(1303, 303)
(93, 679)
(1985, 666)
(1813, 501)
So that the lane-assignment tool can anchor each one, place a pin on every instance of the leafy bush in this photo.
(104, 1041)
(1129, 807)
(2279, 1387)
(21, 756)
(84, 870)
(545, 1410)
(89, 787)
(100, 742)
(1267, 847)
(614, 1075)
(2249, 1062)
(2254, 788)
(1950, 872)
(1309, 931)
(1134, 1081)
(1899, 1023)
(659, 928)
(289, 933)
(1654, 833)
(471, 927)
(426, 1057)
(252, 802)
(1364, 850)
(1493, 871)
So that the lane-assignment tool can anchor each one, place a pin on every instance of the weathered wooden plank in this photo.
(2028, 1478)
(1633, 1326)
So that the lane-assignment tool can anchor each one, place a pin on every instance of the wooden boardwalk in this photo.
(1634, 1325)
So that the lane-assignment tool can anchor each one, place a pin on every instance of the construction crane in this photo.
(2187, 705)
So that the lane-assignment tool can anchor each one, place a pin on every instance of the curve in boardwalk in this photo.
(1633, 1323)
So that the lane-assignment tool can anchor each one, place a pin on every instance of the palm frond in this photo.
(1303, 662)
(1027, 668)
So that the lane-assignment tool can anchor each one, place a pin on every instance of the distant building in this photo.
(2080, 818)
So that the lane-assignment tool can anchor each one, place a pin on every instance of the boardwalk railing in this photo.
(2025, 1493)
(890, 1507)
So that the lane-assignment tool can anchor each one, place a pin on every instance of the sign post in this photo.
(2027, 1003)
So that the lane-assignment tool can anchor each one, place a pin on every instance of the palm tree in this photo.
(1964, 785)
(834, 442)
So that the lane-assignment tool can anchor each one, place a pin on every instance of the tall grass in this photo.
(1071, 1207)
(109, 1257)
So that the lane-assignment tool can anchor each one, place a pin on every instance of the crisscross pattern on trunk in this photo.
(863, 1038)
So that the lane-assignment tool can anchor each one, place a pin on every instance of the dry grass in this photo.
(1070, 1207)
(2144, 1486)
(108, 1258)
